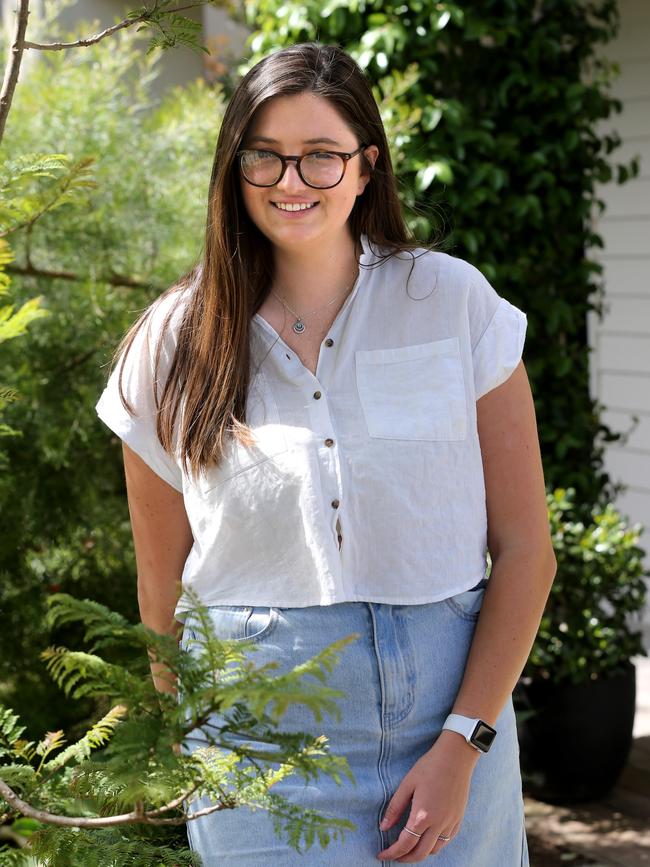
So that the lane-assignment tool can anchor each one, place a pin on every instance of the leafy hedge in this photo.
(137, 227)
(590, 627)
(491, 109)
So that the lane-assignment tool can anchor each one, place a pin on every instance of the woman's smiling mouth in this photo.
(294, 206)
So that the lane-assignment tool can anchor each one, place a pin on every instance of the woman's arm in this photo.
(519, 541)
(523, 569)
(162, 538)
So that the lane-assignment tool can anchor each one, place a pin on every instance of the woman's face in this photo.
(296, 125)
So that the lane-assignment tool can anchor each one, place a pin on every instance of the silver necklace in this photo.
(299, 326)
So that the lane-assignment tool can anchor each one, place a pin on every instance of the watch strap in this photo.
(465, 726)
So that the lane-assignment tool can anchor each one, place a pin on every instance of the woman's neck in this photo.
(308, 278)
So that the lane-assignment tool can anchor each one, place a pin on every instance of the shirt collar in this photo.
(260, 334)
(366, 255)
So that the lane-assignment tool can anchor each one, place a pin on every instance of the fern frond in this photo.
(31, 165)
(10, 731)
(14, 323)
(68, 188)
(7, 395)
(6, 253)
(51, 741)
(6, 431)
(21, 776)
(22, 202)
(95, 737)
(258, 690)
(81, 674)
(17, 858)
(24, 750)
(301, 825)
(106, 628)
(106, 848)
(102, 626)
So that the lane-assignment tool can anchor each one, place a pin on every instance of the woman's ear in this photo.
(371, 153)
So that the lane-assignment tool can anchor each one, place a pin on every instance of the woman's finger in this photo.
(422, 850)
(404, 845)
(397, 804)
(438, 844)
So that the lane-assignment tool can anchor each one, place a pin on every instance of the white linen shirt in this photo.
(379, 448)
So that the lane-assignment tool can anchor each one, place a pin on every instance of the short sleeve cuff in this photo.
(130, 430)
(499, 350)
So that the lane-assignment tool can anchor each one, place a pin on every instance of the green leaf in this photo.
(436, 170)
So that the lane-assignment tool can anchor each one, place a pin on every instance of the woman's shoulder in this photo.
(165, 313)
(437, 262)
(453, 277)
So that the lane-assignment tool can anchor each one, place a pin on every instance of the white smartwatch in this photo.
(476, 732)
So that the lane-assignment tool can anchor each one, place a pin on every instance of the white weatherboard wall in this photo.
(620, 361)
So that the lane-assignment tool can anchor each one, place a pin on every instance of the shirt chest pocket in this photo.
(413, 392)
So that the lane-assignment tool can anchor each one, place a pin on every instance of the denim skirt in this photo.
(399, 678)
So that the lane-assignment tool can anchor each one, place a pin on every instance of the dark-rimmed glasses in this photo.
(320, 170)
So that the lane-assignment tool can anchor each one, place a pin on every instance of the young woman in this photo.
(392, 443)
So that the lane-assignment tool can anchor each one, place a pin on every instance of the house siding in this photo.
(620, 342)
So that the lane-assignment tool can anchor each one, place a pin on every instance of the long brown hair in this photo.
(208, 380)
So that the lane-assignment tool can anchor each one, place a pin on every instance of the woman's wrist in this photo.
(456, 745)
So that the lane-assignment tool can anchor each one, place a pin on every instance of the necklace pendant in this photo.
(298, 326)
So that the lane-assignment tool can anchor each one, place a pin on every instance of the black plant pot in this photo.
(576, 745)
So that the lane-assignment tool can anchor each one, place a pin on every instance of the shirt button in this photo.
(335, 504)
(329, 442)
(316, 395)
(329, 342)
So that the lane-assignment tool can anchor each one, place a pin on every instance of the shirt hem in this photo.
(420, 599)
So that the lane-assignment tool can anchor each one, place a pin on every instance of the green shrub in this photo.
(95, 262)
(587, 630)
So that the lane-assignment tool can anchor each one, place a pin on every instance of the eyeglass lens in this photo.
(319, 169)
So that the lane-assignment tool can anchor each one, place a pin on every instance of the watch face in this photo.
(483, 736)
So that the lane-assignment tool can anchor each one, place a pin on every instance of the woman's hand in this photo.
(438, 788)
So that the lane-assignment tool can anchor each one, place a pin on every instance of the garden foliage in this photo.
(99, 809)
(128, 173)
(588, 628)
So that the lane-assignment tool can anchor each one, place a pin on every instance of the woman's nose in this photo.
(291, 178)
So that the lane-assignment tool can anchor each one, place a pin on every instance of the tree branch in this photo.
(6, 834)
(93, 40)
(13, 63)
(173, 804)
(112, 279)
(205, 812)
(19, 44)
(135, 817)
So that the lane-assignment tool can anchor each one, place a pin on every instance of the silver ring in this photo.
(412, 832)
(442, 837)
